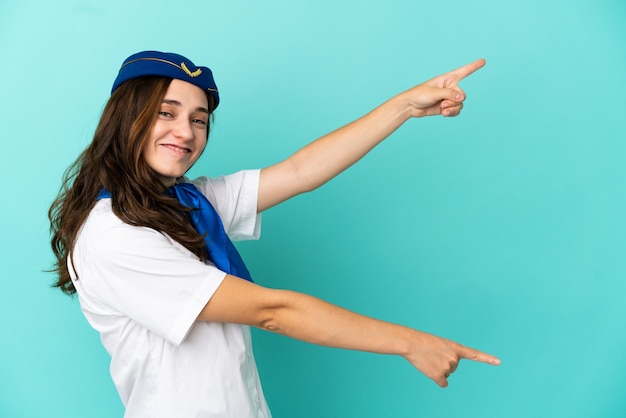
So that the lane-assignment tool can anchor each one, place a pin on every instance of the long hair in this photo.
(114, 160)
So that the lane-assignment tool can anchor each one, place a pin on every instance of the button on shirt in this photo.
(143, 292)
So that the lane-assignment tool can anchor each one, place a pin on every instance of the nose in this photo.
(183, 129)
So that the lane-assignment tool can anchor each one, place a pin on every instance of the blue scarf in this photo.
(207, 222)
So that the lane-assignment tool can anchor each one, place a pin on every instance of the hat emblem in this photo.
(188, 72)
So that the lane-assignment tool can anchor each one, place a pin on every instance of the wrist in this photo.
(402, 108)
(408, 106)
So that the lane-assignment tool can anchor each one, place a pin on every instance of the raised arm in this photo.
(324, 158)
(312, 320)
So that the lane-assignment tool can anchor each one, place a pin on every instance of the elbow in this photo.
(306, 178)
(274, 316)
(271, 324)
(276, 321)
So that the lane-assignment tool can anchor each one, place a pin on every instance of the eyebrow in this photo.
(177, 103)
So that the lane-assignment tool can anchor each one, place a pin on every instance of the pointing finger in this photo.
(475, 355)
(462, 72)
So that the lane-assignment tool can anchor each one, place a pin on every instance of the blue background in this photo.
(503, 229)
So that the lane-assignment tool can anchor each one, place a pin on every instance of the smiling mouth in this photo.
(180, 150)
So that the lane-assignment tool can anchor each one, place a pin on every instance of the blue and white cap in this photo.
(167, 64)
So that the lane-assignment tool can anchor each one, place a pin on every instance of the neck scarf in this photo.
(207, 222)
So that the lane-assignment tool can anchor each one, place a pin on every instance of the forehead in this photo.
(186, 93)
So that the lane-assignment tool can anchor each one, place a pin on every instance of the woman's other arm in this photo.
(326, 157)
(312, 320)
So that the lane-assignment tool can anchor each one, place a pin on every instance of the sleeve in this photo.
(146, 276)
(235, 198)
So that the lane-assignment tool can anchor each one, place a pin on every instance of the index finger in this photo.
(462, 72)
(475, 355)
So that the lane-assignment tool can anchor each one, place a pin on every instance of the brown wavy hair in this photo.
(114, 160)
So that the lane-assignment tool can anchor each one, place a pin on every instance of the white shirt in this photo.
(143, 292)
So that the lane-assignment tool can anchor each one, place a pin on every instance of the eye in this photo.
(165, 114)
(201, 122)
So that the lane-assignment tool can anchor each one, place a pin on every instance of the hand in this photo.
(441, 95)
(438, 358)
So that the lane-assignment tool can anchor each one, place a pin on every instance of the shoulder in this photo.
(101, 220)
(104, 233)
(228, 192)
(216, 188)
(235, 198)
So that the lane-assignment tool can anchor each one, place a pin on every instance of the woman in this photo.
(147, 252)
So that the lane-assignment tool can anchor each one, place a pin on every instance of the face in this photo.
(179, 134)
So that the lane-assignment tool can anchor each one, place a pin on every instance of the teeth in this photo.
(179, 149)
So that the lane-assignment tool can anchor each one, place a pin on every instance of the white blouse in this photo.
(143, 292)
